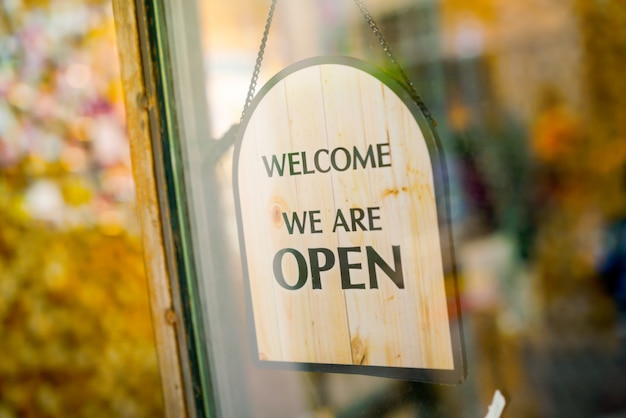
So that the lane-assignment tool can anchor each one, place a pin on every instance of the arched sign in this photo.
(347, 259)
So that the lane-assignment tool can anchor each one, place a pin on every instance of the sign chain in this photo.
(259, 60)
(381, 39)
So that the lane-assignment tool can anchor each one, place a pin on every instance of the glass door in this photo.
(532, 133)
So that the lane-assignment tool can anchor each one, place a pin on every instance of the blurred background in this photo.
(75, 331)
(530, 100)
(530, 97)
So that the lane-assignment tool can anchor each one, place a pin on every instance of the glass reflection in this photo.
(530, 103)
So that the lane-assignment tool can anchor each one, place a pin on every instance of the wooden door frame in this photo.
(144, 127)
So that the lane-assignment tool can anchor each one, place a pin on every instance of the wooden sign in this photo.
(347, 261)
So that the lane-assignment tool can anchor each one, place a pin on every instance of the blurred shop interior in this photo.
(530, 99)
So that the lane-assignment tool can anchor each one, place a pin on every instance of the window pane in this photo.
(529, 101)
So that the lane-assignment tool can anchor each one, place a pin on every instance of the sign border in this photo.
(440, 181)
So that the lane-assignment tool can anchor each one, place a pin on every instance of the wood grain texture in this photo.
(333, 106)
(163, 316)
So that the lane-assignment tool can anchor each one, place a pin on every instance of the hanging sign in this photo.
(346, 254)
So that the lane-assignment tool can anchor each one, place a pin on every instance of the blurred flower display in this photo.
(75, 331)
(62, 117)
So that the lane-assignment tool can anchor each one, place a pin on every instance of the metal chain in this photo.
(381, 39)
(259, 60)
(405, 78)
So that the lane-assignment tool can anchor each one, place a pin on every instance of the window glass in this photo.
(529, 100)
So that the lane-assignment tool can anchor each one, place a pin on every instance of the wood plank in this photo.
(337, 107)
(307, 319)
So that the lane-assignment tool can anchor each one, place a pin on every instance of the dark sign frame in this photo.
(440, 177)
